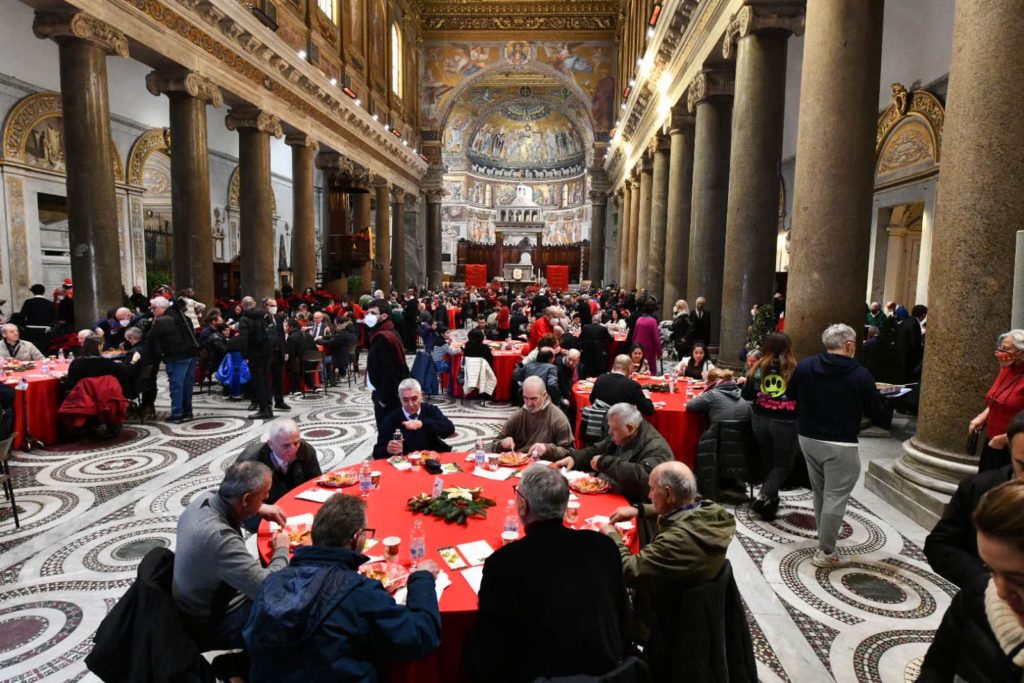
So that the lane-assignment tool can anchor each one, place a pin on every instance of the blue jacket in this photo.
(319, 620)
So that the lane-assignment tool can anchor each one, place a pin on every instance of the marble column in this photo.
(759, 40)
(382, 257)
(398, 239)
(634, 228)
(680, 193)
(255, 198)
(83, 45)
(434, 269)
(415, 238)
(598, 205)
(334, 218)
(710, 97)
(659, 218)
(189, 93)
(835, 167)
(972, 257)
(613, 242)
(643, 232)
(303, 261)
(361, 209)
(624, 219)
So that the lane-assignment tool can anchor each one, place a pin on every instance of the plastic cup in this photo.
(509, 537)
(392, 544)
(492, 461)
(572, 511)
(375, 478)
(415, 459)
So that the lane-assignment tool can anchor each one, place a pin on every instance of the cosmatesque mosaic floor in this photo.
(90, 511)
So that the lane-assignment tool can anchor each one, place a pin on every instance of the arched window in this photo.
(328, 8)
(396, 60)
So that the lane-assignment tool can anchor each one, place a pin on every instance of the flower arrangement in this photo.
(455, 504)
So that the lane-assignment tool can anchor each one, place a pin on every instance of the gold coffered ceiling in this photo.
(593, 18)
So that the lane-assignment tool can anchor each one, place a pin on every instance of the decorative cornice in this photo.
(505, 15)
(245, 117)
(755, 19)
(917, 103)
(300, 140)
(708, 84)
(63, 24)
(168, 81)
(660, 143)
(598, 196)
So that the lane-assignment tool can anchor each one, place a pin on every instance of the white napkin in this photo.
(296, 522)
(317, 495)
(440, 583)
(475, 552)
(500, 474)
(573, 475)
(473, 576)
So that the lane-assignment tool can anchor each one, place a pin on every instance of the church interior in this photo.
(831, 153)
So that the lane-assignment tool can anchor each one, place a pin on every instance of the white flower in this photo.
(459, 492)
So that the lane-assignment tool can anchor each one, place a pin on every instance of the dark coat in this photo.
(576, 618)
(952, 546)
(304, 467)
(720, 455)
(628, 466)
(37, 311)
(474, 349)
(98, 366)
(247, 341)
(700, 326)
(832, 392)
(964, 648)
(172, 338)
(910, 348)
(594, 341)
(429, 437)
(385, 363)
(613, 388)
(143, 638)
(319, 620)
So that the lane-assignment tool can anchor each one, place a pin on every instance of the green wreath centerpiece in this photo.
(455, 504)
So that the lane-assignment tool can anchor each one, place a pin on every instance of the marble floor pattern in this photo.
(90, 511)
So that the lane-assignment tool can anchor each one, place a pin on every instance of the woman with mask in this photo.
(1004, 399)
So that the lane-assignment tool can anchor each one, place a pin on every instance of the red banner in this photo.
(476, 275)
(558, 278)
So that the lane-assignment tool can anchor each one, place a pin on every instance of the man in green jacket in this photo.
(688, 549)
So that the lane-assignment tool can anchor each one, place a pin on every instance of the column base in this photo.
(922, 505)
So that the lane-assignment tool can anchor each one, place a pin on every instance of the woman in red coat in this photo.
(1004, 399)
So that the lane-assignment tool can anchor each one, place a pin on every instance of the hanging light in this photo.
(302, 54)
(350, 92)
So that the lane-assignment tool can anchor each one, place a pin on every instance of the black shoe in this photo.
(176, 420)
(282, 406)
(262, 415)
(253, 406)
(769, 509)
(758, 504)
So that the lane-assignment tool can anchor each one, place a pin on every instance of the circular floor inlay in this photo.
(136, 550)
(875, 588)
(805, 521)
(20, 630)
(318, 433)
(207, 425)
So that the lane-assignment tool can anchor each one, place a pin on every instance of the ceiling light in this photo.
(405, 142)
(359, 102)
(387, 127)
(302, 54)
(623, 105)
(650, 32)
(334, 81)
(375, 117)
(350, 92)
(639, 61)
(632, 82)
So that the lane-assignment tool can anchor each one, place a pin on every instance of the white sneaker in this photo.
(829, 561)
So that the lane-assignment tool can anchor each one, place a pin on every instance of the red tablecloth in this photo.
(38, 403)
(452, 312)
(504, 363)
(389, 516)
(680, 429)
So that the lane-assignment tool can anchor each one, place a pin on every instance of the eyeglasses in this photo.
(369, 532)
(515, 490)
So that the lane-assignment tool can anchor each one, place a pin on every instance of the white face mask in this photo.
(272, 310)
(370, 319)
(125, 323)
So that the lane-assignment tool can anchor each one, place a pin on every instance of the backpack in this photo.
(594, 419)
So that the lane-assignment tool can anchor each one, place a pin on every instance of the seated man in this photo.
(539, 421)
(319, 619)
(544, 368)
(215, 577)
(14, 347)
(291, 460)
(626, 457)
(113, 329)
(618, 387)
(952, 546)
(584, 621)
(688, 549)
(422, 425)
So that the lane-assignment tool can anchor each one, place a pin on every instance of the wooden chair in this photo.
(5, 475)
(312, 369)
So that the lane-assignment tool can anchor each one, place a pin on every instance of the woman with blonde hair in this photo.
(681, 328)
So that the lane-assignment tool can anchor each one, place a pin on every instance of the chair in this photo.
(5, 475)
(142, 380)
(742, 432)
(204, 371)
(734, 455)
(312, 369)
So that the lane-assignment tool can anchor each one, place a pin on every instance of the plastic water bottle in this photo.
(60, 355)
(478, 454)
(46, 366)
(398, 436)
(365, 478)
(511, 516)
(71, 356)
(417, 543)
(673, 378)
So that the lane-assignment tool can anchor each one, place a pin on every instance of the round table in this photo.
(388, 515)
(503, 365)
(680, 429)
(452, 312)
(35, 409)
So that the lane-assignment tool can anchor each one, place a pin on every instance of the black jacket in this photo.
(249, 341)
(952, 546)
(98, 366)
(474, 349)
(429, 437)
(964, 648)
(910, 347)
(304, 467)
(613, 388)
(594, 341)
(171, 337)
(385, 363)
(700, 328)
(831, 393)
(576, 616)
(37, 311)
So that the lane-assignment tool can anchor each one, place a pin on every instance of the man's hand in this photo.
(412, 425)
(429, 566)
(565, 463)
(538, 450)
(279, 539)
(998, 442)
(608, 529)
(394, 447)
(565, 402)
(507, 444)
(621, 514)
(593, 463)
(273, 513)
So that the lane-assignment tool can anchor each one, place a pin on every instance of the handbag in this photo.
(594, 419)
(972, 442)
(232, 363)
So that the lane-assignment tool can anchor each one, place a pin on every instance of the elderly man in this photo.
(626, 457)
(700, 322)
(112, 331)
(618, 387)
(582, 630)
(319, 619)
(15, 347)
(544, 325)
(291, 460)
(538, 422)
(215, 577)
(688, 549)
(172, 339)
(422, 425)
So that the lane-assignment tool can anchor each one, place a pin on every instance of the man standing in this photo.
(385, 360)
(410, 321)
(172, 339)
(538, 422)
(37, 316)
(113, 330)
(910, 344)
(700, 322)
(138, 300)
(875, 316)
(275, 330)
(423, 426)
(291, 460)
(833, 391)
(576, 621)
(254, 342)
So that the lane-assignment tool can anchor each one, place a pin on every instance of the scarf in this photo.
(1005, 625)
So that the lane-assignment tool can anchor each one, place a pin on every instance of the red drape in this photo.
(476, 275)
(558, 278)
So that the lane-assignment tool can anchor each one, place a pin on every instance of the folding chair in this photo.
(312, 372)
(5, 475)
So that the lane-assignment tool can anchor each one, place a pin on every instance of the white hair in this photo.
(1016, 335)
(677, 477)
(280, 427)
(159, 302)
(626, 413)
(836, 335)
(409, 384)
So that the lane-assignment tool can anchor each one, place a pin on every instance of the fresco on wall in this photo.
(525, 134)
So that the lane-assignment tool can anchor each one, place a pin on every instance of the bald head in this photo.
(622, 364)
(677, 482)
(248, 303)
(535, 394)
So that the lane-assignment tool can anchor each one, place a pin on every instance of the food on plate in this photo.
(392, 576)
(885, 388)
(398, 460)
(512, 459)
(339, 479)
(302, 536)
(589, 485)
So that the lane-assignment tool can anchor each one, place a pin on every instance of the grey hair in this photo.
(159, 302)
(626, 413)
(282, 425)
(536, 380)
(682, 302)
(242, 478)
(836, 335)
(338, 520)
(679, 479)
(1016, 335)
(410, 384)
(133, 333)
(573, 353)
(7, 326)
(546, 491)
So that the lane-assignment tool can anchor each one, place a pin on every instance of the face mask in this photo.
(370, 319)
(272, 310)
(1005, 356)
(125, 323)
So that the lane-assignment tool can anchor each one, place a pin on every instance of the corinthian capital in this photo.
(708, 84)
(300, 140)
(784, 17)
(239, 118)
(67, 24)
(434, 196)
(167, 81)
(397, 195)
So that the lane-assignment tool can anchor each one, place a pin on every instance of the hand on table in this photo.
(394, 447)
(412, 425)
(998, 442)
(565, 463)
(279, 539)
(428, 566)
(608, 529)
(273, 513)
(621, 514)
(507, 444)
(593, 463)
(537, 450)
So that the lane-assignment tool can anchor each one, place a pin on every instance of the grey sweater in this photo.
(210, 551)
